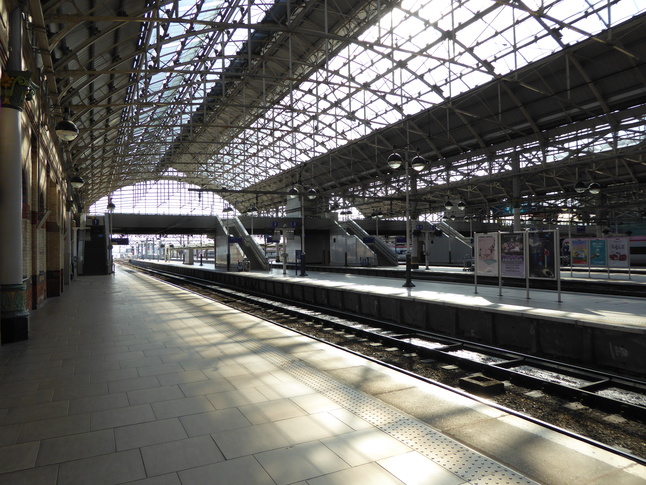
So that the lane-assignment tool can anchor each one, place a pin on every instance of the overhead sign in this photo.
(120, 241)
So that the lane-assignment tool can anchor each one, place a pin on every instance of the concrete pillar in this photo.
(189, 258)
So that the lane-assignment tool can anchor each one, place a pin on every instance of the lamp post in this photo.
(227, 210)
(376, 215)
(311, 195)
(251, 212)
(418, 163)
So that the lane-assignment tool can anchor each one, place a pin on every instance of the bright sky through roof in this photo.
(405, 63)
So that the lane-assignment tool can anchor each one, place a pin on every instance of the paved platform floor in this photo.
(580, 308)
(127, 380)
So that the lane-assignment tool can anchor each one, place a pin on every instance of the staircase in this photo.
(386, 255)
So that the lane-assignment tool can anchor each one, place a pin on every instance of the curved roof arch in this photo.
(255, 96)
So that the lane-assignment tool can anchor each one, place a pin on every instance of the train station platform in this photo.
(125, 379)
(590, 329)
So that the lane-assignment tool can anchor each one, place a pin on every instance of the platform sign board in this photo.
(618, 252)
(598, 252)
(542, 254)
(512, 255)
(120, 241)
(579, 252)
(487, 249)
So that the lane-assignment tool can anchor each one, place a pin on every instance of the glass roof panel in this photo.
(418, 54)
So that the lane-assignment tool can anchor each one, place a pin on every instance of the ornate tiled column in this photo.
(14, 318)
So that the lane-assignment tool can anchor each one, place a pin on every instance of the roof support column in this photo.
(16, 87)
(515, 188)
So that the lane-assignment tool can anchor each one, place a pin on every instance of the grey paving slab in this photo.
(18, 457)
(182, 407)
(147, 434)
(36, 412)
(274, 410)
(300, 462)
(365, 446)
(98, 403)
(113, 418)
(180, 455)
(50, 428)
(250, 440)
(414, 469)
(370, 473)
(109, 469)
(245, 470)
(319, 426)
(42, 475)
(75, 446)
(156, 394)
(214, 421)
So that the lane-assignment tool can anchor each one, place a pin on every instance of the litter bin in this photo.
(246, 265)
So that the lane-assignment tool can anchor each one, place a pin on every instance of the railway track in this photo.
(515, 381)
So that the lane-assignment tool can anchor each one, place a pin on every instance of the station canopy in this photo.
(511, 103)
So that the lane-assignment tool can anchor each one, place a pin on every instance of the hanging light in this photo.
(227, 209)
(395, 160)
(448, 205)
(66, 130)
(418, 163)
(292, 193)
(253, 209)
(580, 187)
(77, 182)
(111, 207)
(462, 205)
(311, 194)
(594, 188)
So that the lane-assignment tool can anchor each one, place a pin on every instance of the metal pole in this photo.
(228, 245)
(408, 283)
(303, 273)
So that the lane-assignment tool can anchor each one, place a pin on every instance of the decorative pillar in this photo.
(14, 318)
(15, 88)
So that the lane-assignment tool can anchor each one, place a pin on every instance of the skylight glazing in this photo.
(224, 114)
(416, 56)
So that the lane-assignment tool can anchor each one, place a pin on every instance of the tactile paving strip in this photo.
(463, 462)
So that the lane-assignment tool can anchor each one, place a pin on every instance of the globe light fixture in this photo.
(77, 182)
(66, 130)
(580, 187)
(395, 160)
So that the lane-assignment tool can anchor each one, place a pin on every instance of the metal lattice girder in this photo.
(507, 100)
